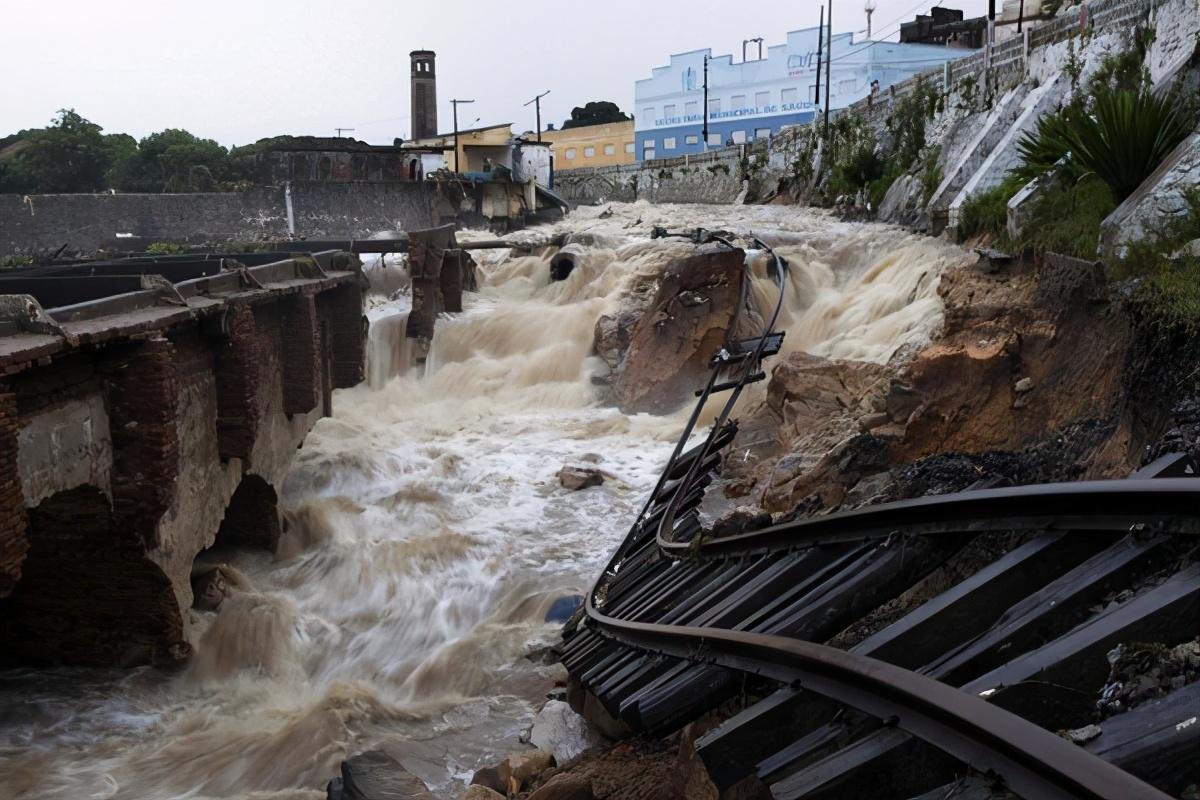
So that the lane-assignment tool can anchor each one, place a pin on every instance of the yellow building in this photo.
(493, 143)
(592, 146)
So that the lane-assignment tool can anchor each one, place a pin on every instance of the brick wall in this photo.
(237, 365)
(142, 405)
(320, 210)
(13, 541)
(301, 355)
(342, 312)
(88, 595)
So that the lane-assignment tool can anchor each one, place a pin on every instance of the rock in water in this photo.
(495, 778)
(375, 775)
(576, 477)
(510, 775)
(691, 317)
(209, 589)
(478, 792)
(563, 608)
(528, 764)
(561, 731)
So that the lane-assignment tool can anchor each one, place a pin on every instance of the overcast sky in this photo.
(240, 71)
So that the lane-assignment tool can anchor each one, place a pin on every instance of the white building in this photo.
(754, 99)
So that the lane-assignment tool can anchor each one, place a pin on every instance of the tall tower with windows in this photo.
(424, 94)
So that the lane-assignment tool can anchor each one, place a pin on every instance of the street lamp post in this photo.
(455, 104)
(704, 128)
(820, 66)
(828, 71)
(537, 101)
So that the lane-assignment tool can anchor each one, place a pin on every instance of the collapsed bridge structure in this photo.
(958, 696)
(149, 409)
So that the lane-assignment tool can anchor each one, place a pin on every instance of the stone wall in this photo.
(320, 210)
(1158, 200)
(715, 177)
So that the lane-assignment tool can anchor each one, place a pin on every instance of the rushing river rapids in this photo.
(427, 533)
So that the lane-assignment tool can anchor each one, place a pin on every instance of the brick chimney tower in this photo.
(424, 94)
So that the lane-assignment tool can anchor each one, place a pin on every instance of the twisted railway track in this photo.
(680, 622)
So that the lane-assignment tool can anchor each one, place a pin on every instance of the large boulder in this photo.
(374, 775)
(559, 730)
(690, 319)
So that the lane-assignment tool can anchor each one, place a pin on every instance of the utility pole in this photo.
(537, 101)
(341, 130)
(1021, 16)
(455, 104)
(828, 71)
(820, 39)
(704, 128)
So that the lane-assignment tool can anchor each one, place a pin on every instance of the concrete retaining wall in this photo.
(84, 221)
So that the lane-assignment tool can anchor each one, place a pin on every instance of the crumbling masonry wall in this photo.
(138, 453)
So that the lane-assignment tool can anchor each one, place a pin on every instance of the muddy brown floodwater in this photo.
(428, 534)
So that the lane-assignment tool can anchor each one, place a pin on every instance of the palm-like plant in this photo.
(1045, 148)
(1122, 140)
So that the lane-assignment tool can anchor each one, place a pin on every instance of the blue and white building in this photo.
(755, 99)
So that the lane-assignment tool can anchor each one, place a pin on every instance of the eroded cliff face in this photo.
(1027, 381)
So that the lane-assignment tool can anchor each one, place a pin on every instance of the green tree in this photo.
(597, 112)
(121, 148)
(174, 160)
(68, 156)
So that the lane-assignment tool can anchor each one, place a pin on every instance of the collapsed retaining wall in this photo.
(83, 222)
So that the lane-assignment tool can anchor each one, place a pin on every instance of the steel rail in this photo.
(1033, 762)
(1114, 505)
(667, 523)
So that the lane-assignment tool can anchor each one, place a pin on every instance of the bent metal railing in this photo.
(1032, 761)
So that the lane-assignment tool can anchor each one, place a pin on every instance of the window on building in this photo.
(762, 99)
(762, 133)
(714, 105)
(846, 87)
(609, 150)
(570, 154)
(668, 111)
(589, 152)
(691, 108)
(668, 143)
(648, 151)
(714, 140)
(648, 114)
(739, 137)
(630, 147)
(691, 138)
(789, 96)
(737, 102)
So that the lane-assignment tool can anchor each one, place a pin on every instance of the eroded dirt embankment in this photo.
(1029, 380)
